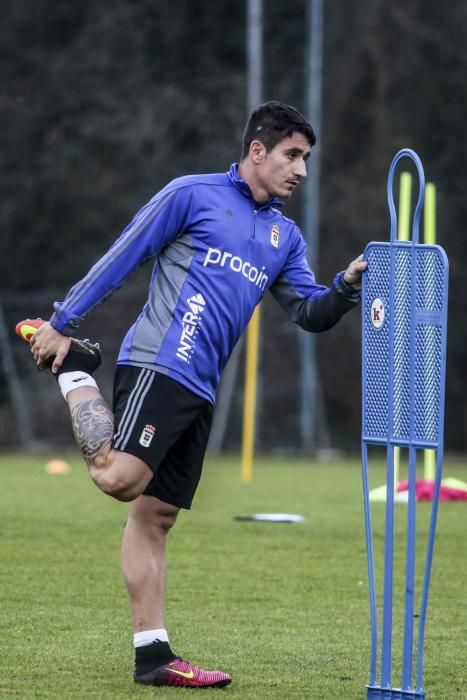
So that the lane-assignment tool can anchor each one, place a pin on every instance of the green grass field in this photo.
(283, 608)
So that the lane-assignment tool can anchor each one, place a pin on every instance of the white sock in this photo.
(143, 639)
(73, 380)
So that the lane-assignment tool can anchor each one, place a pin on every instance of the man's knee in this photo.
(154, 516)
(165, 521)
(113, 485)
(123, 476)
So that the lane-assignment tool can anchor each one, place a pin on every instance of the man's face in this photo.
(280, 170)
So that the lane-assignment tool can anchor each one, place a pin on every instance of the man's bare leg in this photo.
(144, 569)
(143, 559)
(116, 473)
(120, 475)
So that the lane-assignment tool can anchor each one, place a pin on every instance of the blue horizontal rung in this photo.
(398, 442)
(375, 692)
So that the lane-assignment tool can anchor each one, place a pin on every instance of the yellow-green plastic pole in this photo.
(429, 237)
(405, 207)
(403, 234)
(249, 397)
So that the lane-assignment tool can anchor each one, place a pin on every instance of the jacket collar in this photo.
(243, 187)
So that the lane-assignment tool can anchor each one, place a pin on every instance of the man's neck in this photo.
(246, 171)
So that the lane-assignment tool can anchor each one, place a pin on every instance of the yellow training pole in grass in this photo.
(429, 237)
(249, 397)
(403, 234)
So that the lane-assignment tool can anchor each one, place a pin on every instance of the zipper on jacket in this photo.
(253, 232)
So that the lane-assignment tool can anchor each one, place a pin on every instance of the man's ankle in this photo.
(152, 656)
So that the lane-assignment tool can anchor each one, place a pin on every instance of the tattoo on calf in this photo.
(93, 426)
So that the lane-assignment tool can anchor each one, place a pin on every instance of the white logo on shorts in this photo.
(147, 435)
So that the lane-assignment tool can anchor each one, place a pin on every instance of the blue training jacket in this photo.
(216, 252)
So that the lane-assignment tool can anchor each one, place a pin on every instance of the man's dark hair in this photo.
(273, 121)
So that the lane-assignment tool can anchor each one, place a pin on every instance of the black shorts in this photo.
(164, 424)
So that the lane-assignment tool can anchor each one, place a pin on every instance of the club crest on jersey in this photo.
(147, 435)
(275, 236)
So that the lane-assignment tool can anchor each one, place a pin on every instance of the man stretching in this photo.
(218, 243)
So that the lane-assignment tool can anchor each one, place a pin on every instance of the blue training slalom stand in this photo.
(404, 326)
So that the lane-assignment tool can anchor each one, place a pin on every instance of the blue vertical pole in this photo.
(407, 652)
(371, 564)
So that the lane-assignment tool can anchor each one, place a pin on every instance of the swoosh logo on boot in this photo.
(190, 674)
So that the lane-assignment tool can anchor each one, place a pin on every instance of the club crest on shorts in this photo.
(275, 236)
(147, 435)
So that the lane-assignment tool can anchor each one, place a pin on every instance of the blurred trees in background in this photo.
(103, 103)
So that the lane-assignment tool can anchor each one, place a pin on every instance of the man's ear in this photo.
(257, 151)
